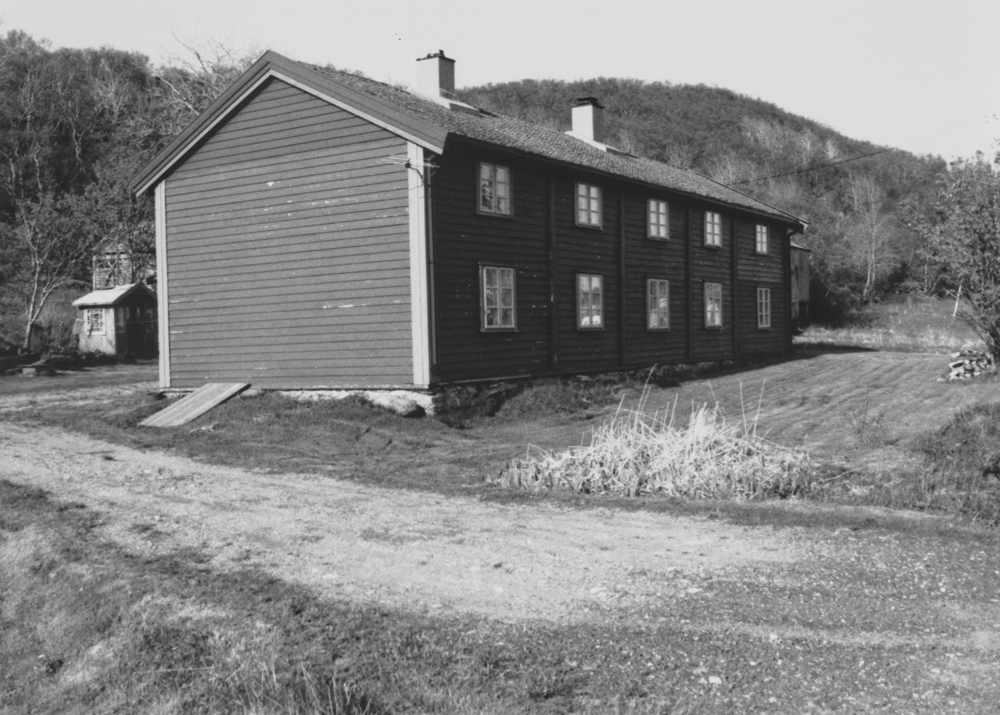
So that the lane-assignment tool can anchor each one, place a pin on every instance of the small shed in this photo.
(799, 258)
(118, 321)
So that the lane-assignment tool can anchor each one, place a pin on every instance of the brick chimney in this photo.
(588, 120)
(436, 76)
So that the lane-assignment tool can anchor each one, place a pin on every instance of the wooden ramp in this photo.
(194, 405)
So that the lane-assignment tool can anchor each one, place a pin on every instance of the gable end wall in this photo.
(288, 250)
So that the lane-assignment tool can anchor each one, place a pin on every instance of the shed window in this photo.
(761, 238)
(95, 321)
(494, 189)
(498, 304)
(713, 305)
(657, 304)
(713, 228)
(763, 307)
(588, 205)
(589, 301)
(659, 219)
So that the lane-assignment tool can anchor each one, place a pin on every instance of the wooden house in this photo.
(318, 229)
(118, 321)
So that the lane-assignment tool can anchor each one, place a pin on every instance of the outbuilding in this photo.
(118, 321)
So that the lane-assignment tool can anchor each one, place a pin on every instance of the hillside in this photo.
(853, 193)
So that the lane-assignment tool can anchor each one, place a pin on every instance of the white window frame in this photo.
(95, 321)
(497, 310)
(589, 312)
(713, 229)
(713, 305)
(762, 241)
(657, 304)
(657, 219)
(495, 195)
(763, 308)
(588, 205)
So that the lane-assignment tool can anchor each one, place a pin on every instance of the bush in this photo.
(637, 453)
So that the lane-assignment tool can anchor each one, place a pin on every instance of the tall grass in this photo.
(638, 452)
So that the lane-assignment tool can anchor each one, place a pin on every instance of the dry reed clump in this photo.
(637, 453)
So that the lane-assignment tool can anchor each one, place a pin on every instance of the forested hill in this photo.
(853, 193)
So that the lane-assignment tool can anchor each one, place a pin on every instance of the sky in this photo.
(917, 75)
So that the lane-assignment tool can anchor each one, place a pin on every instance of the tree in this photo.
(963, 232)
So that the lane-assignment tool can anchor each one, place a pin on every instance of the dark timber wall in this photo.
(287, 249)
(543, 243)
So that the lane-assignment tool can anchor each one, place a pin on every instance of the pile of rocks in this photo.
(968, 363)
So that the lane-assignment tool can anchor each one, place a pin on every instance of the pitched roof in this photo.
(430, 124)
(108, 297)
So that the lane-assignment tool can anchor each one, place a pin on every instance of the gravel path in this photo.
(392, 546)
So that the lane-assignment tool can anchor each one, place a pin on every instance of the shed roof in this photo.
(109, 297)
(432, 124)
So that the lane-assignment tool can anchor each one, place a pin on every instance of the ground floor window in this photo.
(589, 301)
(713, 305)
(763, 307)
(657, 304)
(498, 299)
(95, 321)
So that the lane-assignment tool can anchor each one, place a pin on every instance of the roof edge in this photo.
(274, 65)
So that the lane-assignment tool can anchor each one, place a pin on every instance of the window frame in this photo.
(764, 321)
(579, 302)
(480, 209)
(713, 286)
(483, 302)
(762, 239)
(653, 228)
(713, 221)
(95, 326)
(589, 209)
(649, 305)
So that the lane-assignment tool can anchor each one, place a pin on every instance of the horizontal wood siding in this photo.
(710, 264)
(653, 258)
(465, 239)
(288, 245)
(584, 249)
(755, 271)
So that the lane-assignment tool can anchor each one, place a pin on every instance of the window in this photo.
(763, 307)
(657, 304)
(95, 321)
(498, 304)
(713, 305)
(588, 205)
(589, 301)
(713, 228)
(761, 238)
(659, 219)
(494, 189)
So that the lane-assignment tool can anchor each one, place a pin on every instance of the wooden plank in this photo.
(194, 405)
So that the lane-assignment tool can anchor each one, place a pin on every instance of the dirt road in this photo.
(396, 547)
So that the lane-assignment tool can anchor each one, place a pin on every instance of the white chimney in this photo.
(588, 120)
(436, 76)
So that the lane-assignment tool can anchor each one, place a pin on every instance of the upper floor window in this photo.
(498, 299)
(763, 307)
(657, 304)
(658, 219)
(494, 189)
(713, 305)
(713, 228)
(761, 238)
(588, 205)
(589, 301)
